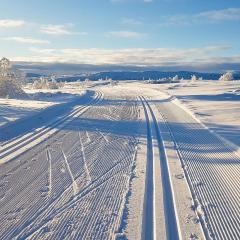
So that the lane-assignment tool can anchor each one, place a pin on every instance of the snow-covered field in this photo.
(131, 161)
(215, 103)
(14, 109)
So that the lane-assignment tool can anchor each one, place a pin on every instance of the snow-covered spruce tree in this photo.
(228, 76)
(9, 85)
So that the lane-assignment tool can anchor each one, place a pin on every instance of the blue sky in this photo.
(136, 32)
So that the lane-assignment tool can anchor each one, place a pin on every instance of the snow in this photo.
(215, 103)
(37, 100)
(126, 161)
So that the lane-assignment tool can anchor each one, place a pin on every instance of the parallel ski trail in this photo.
(171, 218)
(20, 145)
(86, 184)
(212, 168)
(148, 217)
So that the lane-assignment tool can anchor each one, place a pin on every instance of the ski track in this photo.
(84, 157)
(21, 143)
(55, 199)
(73, 183)
(171, 218)
(148, 231)
(213, 171)
(49, 171)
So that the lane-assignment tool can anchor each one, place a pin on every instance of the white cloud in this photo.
(214, 16)
(131, 21)
(26, 40)
(229, 14)
(126, 34)
(133, 56)
(45, 51)
(119, 1)
(10, 23)
(59, 30)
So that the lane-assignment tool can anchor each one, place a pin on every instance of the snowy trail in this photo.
(148, 217)
(78, 182)
(212, 168)
(41, 204)
(152, 224)
(7, 147)
(13, 148)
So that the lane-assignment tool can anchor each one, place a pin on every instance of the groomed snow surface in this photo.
(35, 100)
(131, 161)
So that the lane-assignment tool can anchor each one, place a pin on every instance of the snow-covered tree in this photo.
(21, 76)
(9, 84)
(61, 84)
(36, 84)
(45, 83)
(175, 79)
(41, 83)
(53, 83)
(228, 76)
(193, 78)
(5, 67)
(112, 82)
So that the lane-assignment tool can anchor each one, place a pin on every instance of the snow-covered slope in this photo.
(215, 103)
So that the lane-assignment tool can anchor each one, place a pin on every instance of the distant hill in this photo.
(142, 75)
(32, 75)
(74, 72)
(73, 69)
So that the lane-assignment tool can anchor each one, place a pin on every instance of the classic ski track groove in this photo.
(171, 218)
(213, 172)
